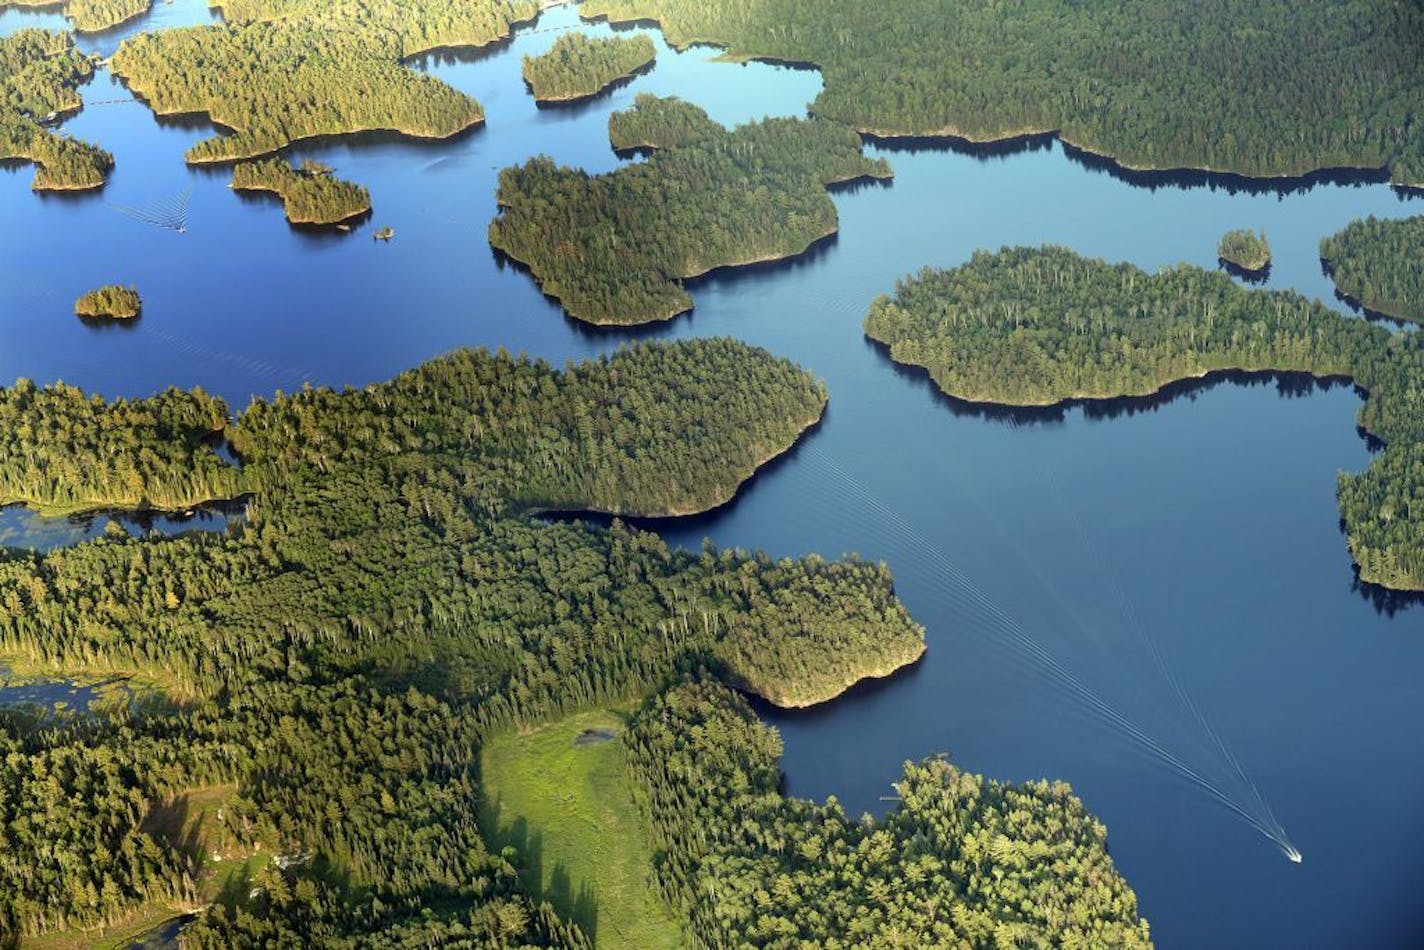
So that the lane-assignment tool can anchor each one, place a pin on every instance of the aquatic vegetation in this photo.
(40, 75)
(1380, 265)
(615, 248)
(111, 302)
(1246, 249)
(311, 194)
(388, 593)
(578, 67)
(1037, 326)
(1251, 88)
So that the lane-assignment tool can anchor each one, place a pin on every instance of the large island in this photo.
(1039, 326)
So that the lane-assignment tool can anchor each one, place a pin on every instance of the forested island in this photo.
(1038, 326)
(90, 16)
(615, 248)
(1379, 265)
(577, 67)
(1245, 250)
(111, 302)
(40, 75)
(63, 452)
(1250, 88)
(279, 71)
(311, 194)
(342, 653)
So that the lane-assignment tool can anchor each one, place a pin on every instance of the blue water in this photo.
(1212, 510)
(22, 528)
(47, 695)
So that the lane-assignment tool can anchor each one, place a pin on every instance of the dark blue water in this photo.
(1212, 512)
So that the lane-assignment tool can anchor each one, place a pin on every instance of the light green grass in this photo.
(582, 844)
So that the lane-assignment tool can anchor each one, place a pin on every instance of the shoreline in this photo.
(540, 511)
(949, 135)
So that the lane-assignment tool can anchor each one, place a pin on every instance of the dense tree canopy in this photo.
(40, 75)
(111, 302)
(62, 451)
(279, 71)
(959, 862)
(311, 194)
(1036, 326)
(341, 650)
(1249, 250)
(1257, 87)
(1380, 265)
(578, 67)
(90, 16)
(614, 248)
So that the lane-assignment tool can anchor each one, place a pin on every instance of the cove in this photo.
(1211, 509)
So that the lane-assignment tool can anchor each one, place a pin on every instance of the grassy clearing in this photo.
(190, 823)
(582, 845)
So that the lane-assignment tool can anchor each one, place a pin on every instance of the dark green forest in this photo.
(959, 862)
(1037, 326)
(40, 74)
(63, 452)
(1380, 265)
(615, 248)
(90, 16)
(111, 302)
(279, 71)
(1246, 86)
(1247, 249)
(386, 602)
(577, 67)
(311, 194)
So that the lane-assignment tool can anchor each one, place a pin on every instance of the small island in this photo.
(385, 233)
(1379, 265)
(578, 67)
(111, 302)
(1245, 253)
(311, 193)
(616, 248)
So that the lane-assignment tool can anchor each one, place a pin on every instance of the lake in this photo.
(1199, 528)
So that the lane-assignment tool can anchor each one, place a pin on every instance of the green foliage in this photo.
(1227, 85)
(91, 16)
(1038, 326)
(1380, 264)
(111, 301)
(40, 73)
(578, 67)
(566, 806)
(1247, 249)
(63, 452)
(284, 70)
(614, 248)
(383, 562)
(961, 861)
(416, 26)
(311, 194)
(650, 430)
